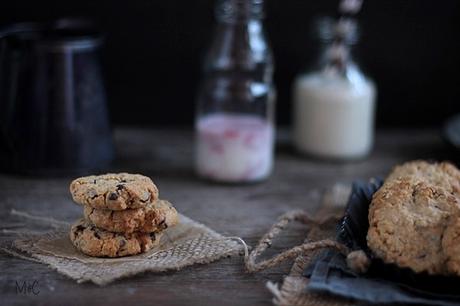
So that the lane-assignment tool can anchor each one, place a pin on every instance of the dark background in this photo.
(154, 50)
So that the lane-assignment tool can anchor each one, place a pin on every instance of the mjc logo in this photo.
(27, 287)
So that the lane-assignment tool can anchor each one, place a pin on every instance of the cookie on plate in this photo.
(442, 174)
(407, 220)
(154, 217)
(451, 246)
(114, 191)
(96, 242)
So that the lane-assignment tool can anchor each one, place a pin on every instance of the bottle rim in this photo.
(328, 29)
(239, 10)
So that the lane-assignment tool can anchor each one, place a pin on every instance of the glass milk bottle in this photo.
(234, 119)
(334, 103)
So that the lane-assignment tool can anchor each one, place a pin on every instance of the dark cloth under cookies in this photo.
(383, 283)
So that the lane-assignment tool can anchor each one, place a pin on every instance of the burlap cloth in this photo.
(292, 290)
(183, 245)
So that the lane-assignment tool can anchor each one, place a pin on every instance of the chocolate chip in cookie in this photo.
(99, 243)
(153, 217)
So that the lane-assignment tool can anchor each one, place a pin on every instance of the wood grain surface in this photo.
(247, 211)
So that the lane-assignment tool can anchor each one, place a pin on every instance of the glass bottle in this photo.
(334, 103)
(235, 105)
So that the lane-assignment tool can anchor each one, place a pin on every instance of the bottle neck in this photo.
(339, 66)
(239, 41)
(337, 39)
(336, 56)
(239, 11)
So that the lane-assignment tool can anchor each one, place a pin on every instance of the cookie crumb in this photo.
(358, 261)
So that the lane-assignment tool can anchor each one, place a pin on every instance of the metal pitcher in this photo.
(53, 112)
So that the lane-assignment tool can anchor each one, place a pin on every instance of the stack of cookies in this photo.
(122, 215)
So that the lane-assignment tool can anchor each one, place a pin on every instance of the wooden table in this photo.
(246, 211)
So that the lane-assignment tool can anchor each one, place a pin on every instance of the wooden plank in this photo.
(237, 210)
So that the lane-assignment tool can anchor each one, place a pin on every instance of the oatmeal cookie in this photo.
(154, 217)
(100, 243)
(407, 220)
(114, 191)
(451, 246)
(443, 174)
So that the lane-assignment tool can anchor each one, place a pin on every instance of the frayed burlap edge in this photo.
(292, 291)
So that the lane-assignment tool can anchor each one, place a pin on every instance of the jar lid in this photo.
(71, 34)
(60, 36)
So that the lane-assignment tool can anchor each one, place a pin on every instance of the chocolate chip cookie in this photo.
(100, 243)
(114, 191)
(154, 217)
(408, 218)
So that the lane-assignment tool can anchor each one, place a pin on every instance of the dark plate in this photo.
(383, 283)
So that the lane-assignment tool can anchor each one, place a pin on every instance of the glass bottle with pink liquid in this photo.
(235, 108)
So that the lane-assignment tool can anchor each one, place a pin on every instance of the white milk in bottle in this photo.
(334, 115)
(334, 103)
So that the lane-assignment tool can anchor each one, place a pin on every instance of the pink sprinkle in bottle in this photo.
(234, 119)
